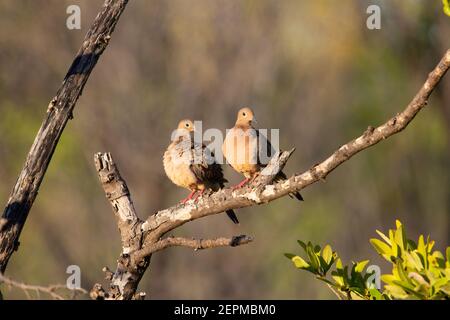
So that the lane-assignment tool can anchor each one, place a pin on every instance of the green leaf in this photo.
(302, 244)
(375, 294)
(339, 280)
(299, 262)
(384, 237)
(421, 248)
(381, 247)
(317, 249)
(361, 265)
(392, 236)
(339, 264)
(400, 236)
(413, 260)
(447, 253)
(411, 244)
(402, 273)
(439, 259)
(289, 255)
(340, 275)
(315, 263)
(430, 244)
(396, 291)
(446, 7)
(389, 278)
(327, 254)
(395, 250)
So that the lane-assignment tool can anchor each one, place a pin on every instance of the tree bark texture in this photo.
(58, 113)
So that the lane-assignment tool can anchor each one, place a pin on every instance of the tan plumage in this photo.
(191, 165)
(241, 148)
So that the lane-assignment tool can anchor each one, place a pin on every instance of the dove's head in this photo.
(245, 117)
(186, 124)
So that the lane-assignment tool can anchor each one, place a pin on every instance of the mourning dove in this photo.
(192, 166)
(242, 149)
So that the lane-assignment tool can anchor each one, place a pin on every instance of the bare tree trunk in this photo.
(126, 278)
(58, 113)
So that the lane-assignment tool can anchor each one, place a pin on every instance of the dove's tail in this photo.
(296, 195)
(232, 216)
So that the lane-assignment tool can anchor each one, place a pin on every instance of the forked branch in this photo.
(196, 244)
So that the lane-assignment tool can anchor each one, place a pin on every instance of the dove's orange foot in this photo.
(198, 195)
(241, 184)
(189, 197)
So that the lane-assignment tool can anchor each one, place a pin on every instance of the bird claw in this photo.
(199, 195)
(241, 184)
(189, 197)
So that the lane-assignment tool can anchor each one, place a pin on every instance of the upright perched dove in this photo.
(192, 166)
(242, 149)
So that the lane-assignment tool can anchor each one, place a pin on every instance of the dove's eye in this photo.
(187, 125)
(244, 114)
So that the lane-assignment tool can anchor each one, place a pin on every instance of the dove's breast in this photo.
(240, 148)
(177, 167)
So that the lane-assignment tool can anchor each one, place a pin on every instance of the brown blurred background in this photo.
(311, 68)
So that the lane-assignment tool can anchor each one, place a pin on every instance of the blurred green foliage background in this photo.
(311, 68)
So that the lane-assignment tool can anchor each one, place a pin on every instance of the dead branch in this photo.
(59, 112)
(124, 280)
(143, 238)
(196, 244)
(51, 290)
(135, 258)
